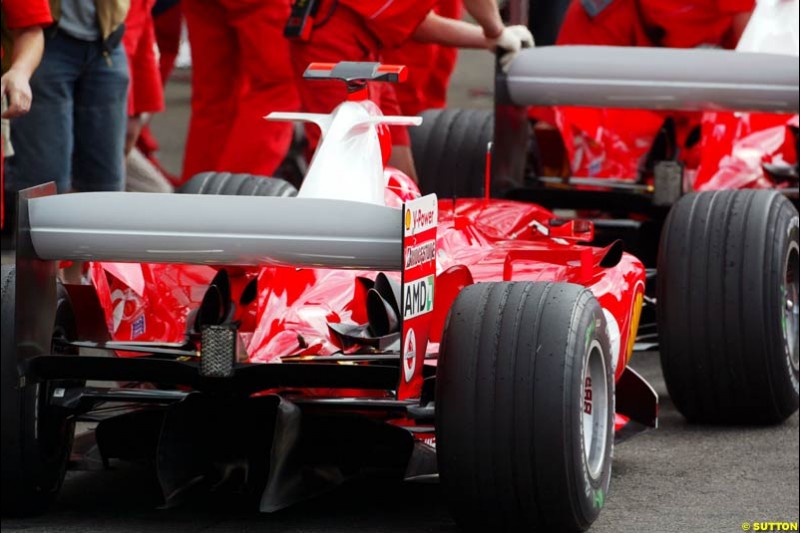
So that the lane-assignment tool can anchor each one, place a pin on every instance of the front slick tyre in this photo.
(525, 407)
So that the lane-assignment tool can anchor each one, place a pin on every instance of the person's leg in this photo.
(101, 108)
(43, 138)
(168, 37)
(255, 145)
(215, 84)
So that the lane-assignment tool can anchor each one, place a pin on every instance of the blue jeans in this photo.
(74, 133)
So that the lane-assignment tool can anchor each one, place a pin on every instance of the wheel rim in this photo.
(594, 409)
(791, 306)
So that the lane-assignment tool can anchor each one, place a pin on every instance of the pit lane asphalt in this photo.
(679, 478)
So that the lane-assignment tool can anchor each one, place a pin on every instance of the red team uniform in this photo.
(612, 142)
(145, 92)
(429, 67)
(240, 72)
(355, 30)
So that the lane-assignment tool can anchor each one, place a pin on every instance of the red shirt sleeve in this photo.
(730, 7)
(392, 22)
(26, 13)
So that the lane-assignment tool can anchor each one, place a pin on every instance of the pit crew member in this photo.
(357, 30)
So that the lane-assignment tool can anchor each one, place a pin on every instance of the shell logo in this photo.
(408, 219)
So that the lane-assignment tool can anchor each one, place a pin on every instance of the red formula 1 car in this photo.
(719, 239)
(279, 343)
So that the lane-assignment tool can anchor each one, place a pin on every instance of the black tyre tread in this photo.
(421, 134)
(436, 150)
(717, 323)
(30, 482)
(450, 151)
(489, 453)
(229, 184)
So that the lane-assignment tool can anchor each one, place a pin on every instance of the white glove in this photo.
(510, 42)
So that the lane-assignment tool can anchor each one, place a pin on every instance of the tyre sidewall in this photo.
(591, 492)
(786, 381)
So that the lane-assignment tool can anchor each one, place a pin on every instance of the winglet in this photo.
(320, 119)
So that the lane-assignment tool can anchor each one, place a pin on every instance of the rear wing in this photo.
(632, 78)
(215, 230)
(230, 230)
(655, 78)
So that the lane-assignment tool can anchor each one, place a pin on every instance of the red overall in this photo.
(167, 27)
(168, 37)
(667, 23)
(355, 30)
(240, 73)
(613, 142)
(429, 67)
(145, 93)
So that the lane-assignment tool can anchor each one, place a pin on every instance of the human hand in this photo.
(510, 41)
(16, 85)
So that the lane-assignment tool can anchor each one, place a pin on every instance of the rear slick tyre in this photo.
(449, 151)
(525, 408)
(228, 184)
(36, 436)
(728, 307)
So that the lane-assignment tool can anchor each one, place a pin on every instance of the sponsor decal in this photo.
(138, 327)
(420, 221)
(587, 396)
(599, 498)
(409, 355)
(590, 332)
(417, 255)
(421, 215)
(418, 297)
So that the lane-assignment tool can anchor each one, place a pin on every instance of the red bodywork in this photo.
(612, 143)
(478, 240)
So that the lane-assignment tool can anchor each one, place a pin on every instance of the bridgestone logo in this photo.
(416, 255)
(418, 297)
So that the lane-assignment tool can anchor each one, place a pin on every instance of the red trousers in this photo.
(168, 36)
(429, 68)
(146, 92)
(240, 72)
(344, 37)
